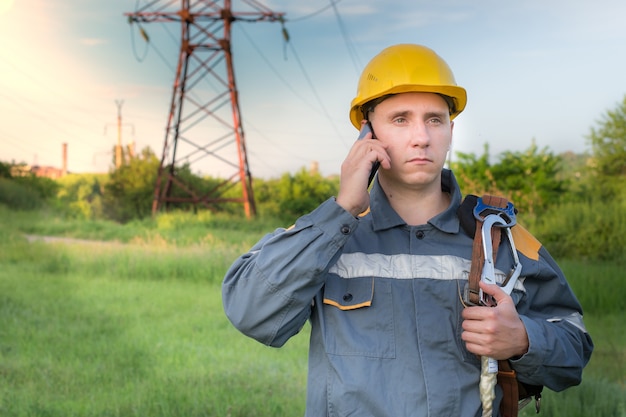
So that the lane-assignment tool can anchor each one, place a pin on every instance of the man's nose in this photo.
(419, 135)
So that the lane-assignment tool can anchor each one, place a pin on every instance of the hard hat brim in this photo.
(458, 94)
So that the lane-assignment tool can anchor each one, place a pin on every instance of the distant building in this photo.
(48, 172)
(24, 170)
(314, 168)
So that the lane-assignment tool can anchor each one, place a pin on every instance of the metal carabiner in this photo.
(488, 274)
(482, 210)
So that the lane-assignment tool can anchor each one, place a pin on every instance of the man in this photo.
(390, 333)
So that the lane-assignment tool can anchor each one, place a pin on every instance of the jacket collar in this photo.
(385, 217)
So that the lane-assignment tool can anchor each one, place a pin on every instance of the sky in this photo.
(536, 71)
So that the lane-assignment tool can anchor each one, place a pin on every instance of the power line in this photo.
(344, 32)
(144, 35)
(317, 97)
(320, 11)
(16, 143)
(278, 146)
(45, 119)
(320, 108)
(166, 61)
(277, 73)
(342, 28)
(43, 85)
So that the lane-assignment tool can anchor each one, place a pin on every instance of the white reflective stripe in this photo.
(575, 319)
(406, 266)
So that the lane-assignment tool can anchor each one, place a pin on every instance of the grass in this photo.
(113, 346)
(599, 286)
(137, 329)
(179, 229)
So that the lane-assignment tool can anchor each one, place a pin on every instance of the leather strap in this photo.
(508, 382)
(478, 256)
(506, 375)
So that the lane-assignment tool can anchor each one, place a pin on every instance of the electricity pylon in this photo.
(205, 57)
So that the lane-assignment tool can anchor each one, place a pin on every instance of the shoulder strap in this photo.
(478, 257)
(513, 390)
(507, 379)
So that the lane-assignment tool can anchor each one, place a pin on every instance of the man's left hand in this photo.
(496, 332)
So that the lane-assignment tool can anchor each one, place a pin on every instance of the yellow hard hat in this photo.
(406, 68)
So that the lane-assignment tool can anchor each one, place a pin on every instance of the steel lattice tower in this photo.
(204, 88)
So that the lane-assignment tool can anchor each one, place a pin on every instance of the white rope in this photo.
(487, 385)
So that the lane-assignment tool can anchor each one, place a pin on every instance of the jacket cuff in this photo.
(529, 364)
(332, 220)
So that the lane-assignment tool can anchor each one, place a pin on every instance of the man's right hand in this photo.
(355, 170)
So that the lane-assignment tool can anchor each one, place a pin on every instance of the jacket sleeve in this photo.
(268, 292)
(560, 345)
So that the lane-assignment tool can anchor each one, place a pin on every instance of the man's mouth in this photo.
(419, 160)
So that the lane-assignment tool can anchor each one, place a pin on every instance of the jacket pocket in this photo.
(358, 317)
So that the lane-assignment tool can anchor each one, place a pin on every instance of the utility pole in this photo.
(204, 88)
(118, 148)
(119, 155)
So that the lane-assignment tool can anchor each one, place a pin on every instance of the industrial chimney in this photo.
(64, 165)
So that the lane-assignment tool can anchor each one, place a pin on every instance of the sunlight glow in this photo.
(5, 6)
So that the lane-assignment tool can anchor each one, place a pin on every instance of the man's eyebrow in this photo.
(427, 115)
(400, 113)
(439, 114)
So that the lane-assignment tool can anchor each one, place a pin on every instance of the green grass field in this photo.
(137, 329)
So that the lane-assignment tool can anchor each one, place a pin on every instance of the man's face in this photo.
(418, 131)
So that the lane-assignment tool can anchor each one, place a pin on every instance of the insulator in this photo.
(144, 35)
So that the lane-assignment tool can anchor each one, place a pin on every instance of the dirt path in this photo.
(69, 240)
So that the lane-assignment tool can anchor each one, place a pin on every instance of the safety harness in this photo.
(486, 219)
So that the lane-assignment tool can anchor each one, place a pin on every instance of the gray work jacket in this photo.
(383, 301)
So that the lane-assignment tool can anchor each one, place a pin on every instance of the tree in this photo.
(608, 146)
(204, 188)
(473, 173)
(80, 195)
(294, 195)
(530, 178)
(5, 170)
(24, 191)
(129, 192)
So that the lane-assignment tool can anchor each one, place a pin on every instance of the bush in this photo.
(294, 195)
(129, 192)
(18, 196)
(80, 196)
(591, 229)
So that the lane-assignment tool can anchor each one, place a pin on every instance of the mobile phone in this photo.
(365, 129)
